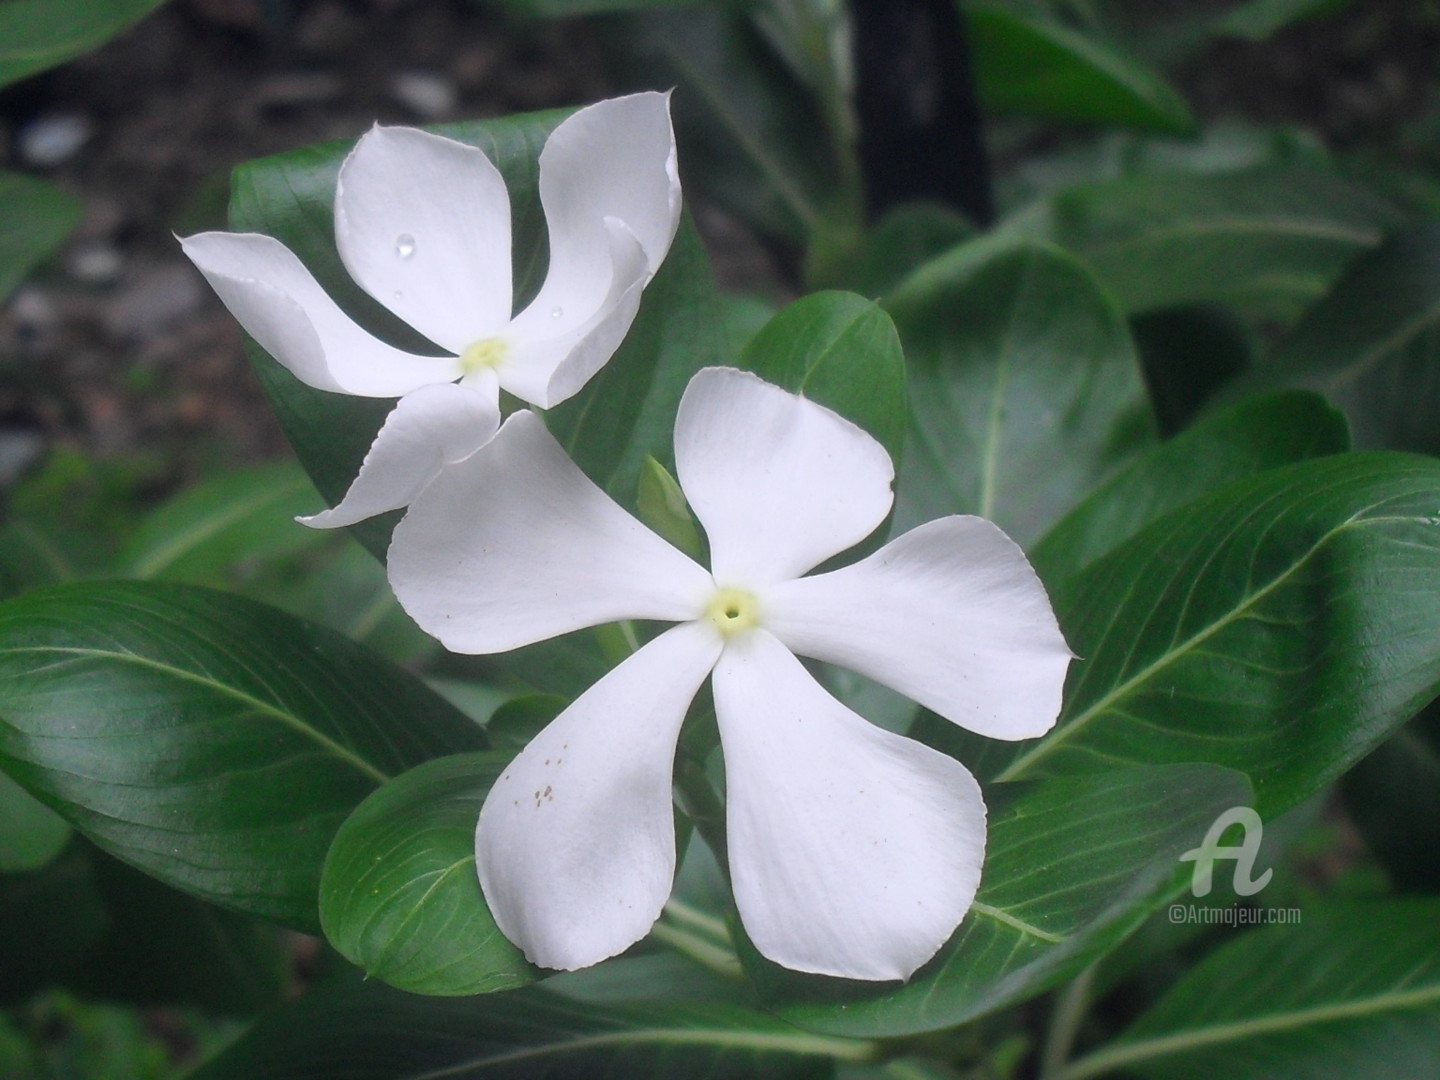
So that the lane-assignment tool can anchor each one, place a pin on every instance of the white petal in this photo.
(515, 545)
(428, 429)
(950, 614)
(283, 307)
(543, 366)
(576, 841)
(423, 224)
(853, 851)
(779, 483)
(614, 159)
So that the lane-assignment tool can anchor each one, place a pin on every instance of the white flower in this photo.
(422, 224)
(852, 851)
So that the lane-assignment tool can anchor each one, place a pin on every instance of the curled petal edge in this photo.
(281, 305)
(428, 429)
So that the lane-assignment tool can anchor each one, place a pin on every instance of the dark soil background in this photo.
(117, 348)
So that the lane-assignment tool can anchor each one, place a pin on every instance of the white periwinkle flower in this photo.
(853, 851)
(422, 224)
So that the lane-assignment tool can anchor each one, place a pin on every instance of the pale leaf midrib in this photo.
(1116, 1056)
(798, 1042)
(1235, 226)
(167, 555)
(788, 192)
(257, 704)
(990, 452)
(1400, 337)
(1123, 689)
(1002, 916)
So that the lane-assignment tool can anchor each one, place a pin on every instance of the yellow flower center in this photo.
(487, 352)
(733, 610)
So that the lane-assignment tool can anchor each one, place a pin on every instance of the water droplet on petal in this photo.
(405, 245)
(556, 312)
(399, 295)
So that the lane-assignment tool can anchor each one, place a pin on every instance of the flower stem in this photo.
(717, 958)
(1065, 1020)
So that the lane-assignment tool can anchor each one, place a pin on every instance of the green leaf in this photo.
(661, 505)
(1393, 796)
(162, 947)
(1352, 992)
(400, 897)
(903, 240)
(347, 1030)
(842, 351)
(48, 919)
(1281, 626)
(1268, 241)
(1024, 387)
(1373, 343)
(1256, 20)
(1257, 434)
(344, 587)
(35, 217)
(1189, 354)
(30, 834)
(240, 516)
(752, 135)
(35, 551)
(38, 34)
(210, 741)
(520, 719)
(1041, 68)
(1072, 867)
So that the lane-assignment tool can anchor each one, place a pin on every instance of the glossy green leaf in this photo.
(1072, 866)
(35, 216)
(30, 834)
(243, 516)
(842, 351)
(38, 34)
(1041, 68)
(348, 1030)
(1373, 343)
(1023, 383)
(1268, 241)
(1354, 991)
(208, 740)
(400, 897)
(1282, 626)
(1257, 434)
